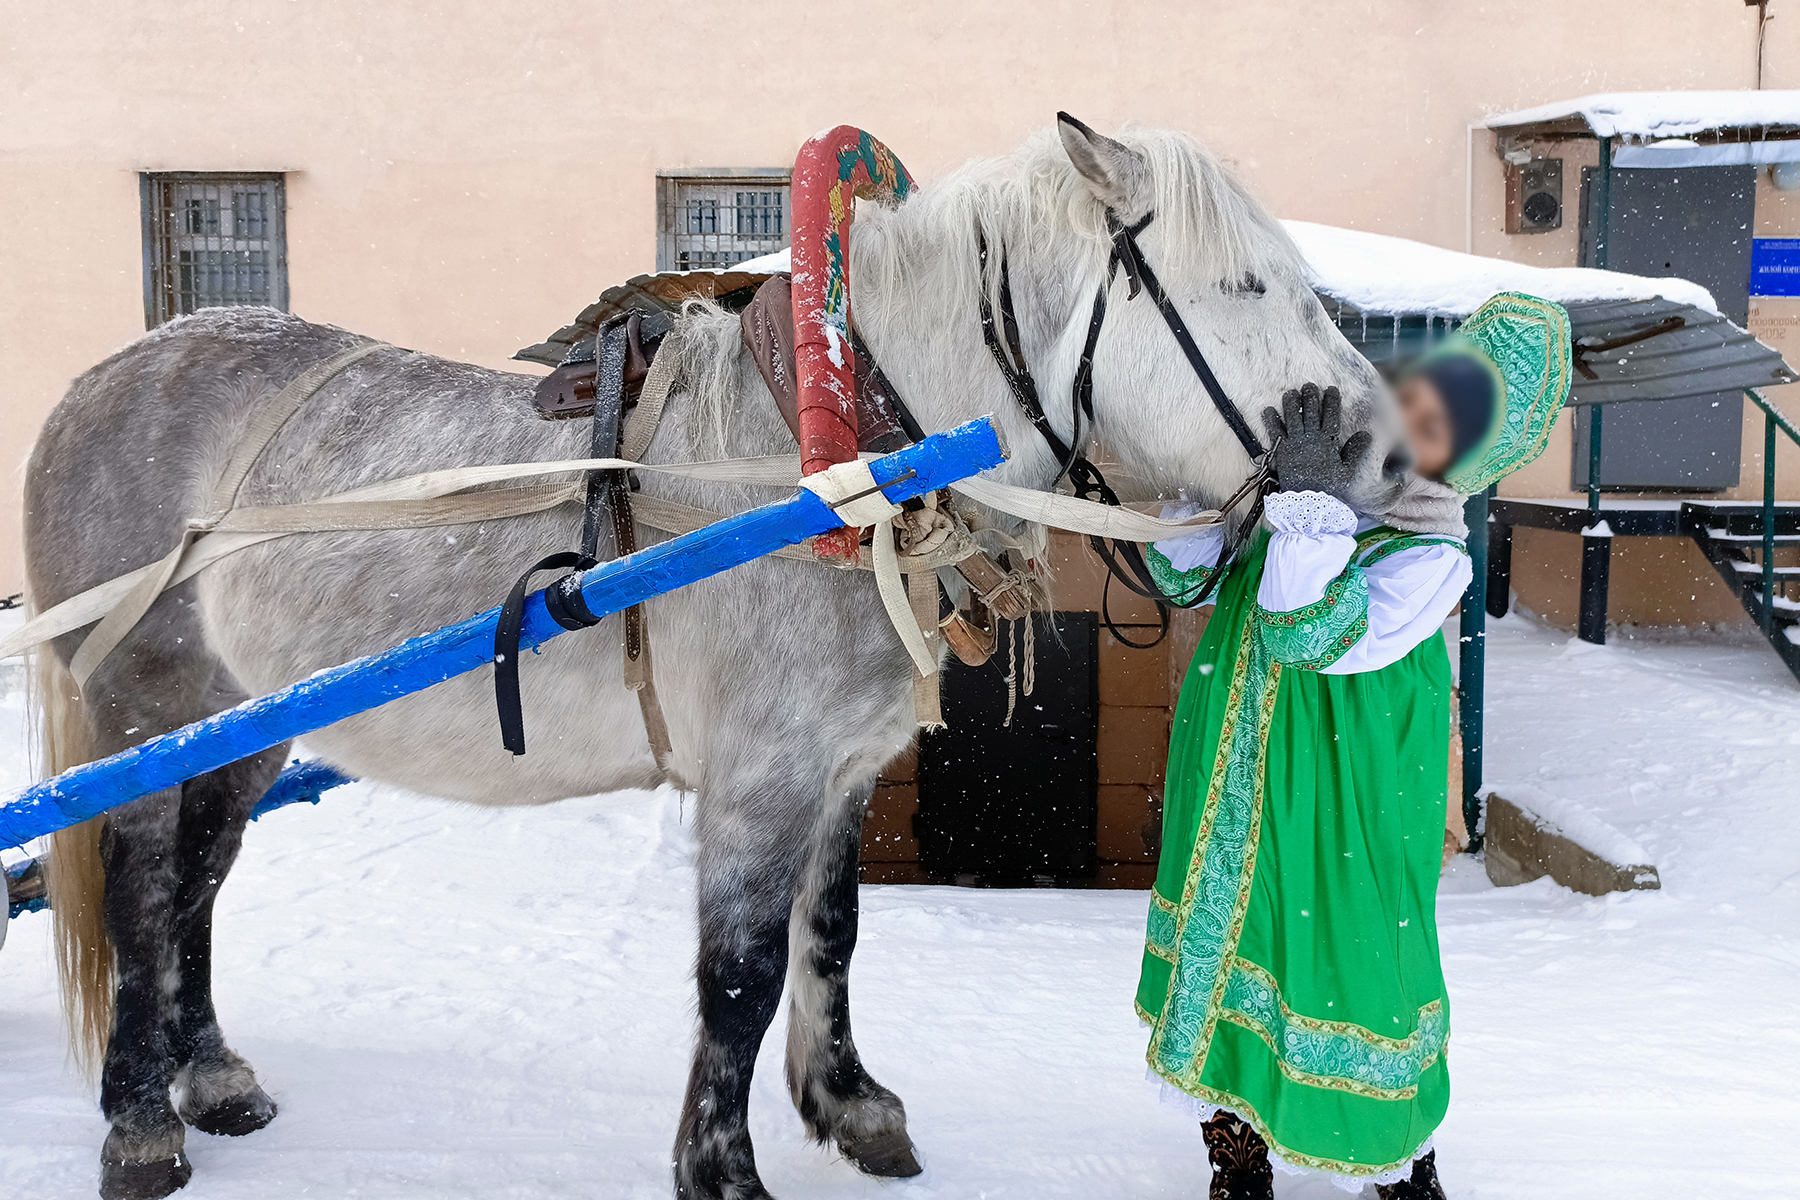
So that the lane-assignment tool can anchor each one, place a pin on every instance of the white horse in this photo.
(785, 686)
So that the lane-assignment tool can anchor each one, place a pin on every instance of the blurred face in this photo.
(1427, 424)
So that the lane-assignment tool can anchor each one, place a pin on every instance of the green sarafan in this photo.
(1291, 970)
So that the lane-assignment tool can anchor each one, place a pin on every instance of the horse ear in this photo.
(1114, 170)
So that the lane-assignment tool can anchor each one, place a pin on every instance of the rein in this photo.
(1124, 560)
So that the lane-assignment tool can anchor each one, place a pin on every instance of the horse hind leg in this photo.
(143, 1155)
(216, 1089)
(839, 1101)
(165, 856)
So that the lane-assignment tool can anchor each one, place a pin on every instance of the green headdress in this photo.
(1526, 343)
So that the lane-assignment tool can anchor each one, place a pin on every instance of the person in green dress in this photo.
(1290, 978)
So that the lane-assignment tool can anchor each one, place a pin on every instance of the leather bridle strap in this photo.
(1018, 378)
(1124, 560)
(1125, 245)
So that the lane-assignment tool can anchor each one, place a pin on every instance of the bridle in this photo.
(1124, 561)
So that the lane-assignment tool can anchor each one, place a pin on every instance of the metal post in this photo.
(1768, 524)
(1472, 663)
(1596, 547)
(1596, 416)
(1603, 206)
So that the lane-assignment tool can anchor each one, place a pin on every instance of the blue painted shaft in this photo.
(301, 782)
(417, 663)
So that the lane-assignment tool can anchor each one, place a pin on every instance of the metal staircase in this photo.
(1741, 541)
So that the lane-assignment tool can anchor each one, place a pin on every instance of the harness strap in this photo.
(1024, 387)
(608, 502)
(1124, 559)
(506, 645)
(1125, 237)
(609, 407)
(265, 422)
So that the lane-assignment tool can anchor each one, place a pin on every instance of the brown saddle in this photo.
(767, 324)
(568, 391)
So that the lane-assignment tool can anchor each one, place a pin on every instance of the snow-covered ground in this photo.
(459, 1003)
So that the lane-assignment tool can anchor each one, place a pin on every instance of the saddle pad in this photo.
(768, 333)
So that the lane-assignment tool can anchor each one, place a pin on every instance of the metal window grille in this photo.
(212, 241)
(707, 220)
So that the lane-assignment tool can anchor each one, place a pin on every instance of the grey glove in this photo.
(1308, 456)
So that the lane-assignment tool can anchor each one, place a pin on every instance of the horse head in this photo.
(1053, 213)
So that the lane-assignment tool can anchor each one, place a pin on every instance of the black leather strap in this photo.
(506, 646)
(609, 406)
(1125, 245)
(1018, 378)
(563, 598)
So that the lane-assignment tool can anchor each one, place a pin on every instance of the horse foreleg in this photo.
(143, 1156)
(836, 1097)
(753, 839)
(217, 1089)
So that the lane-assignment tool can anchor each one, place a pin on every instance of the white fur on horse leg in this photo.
(840, 1103)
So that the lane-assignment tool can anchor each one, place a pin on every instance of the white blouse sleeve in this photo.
(1198, 549)
(1314, 537)
(1411, 592)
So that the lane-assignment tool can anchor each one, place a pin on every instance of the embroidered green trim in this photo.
(1159, 933)
(1394, 545)
(1176, 585)
(1375, 536)
(1334, 1054)
(1216, 892)
(1314, 637)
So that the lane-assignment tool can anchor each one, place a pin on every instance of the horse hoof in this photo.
(127, 1180)
(237, 1115)
(885, 1155)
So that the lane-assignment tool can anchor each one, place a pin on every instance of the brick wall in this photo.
(1137, 693)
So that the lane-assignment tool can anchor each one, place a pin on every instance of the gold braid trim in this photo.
(1247, 1111)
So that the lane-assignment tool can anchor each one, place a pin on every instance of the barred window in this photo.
(712, 218)
(211, 241)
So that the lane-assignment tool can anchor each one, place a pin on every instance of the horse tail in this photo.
(76, 875)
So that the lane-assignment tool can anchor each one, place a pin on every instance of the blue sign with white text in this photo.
(1775, 266)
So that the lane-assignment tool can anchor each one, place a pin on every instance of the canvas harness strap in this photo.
(1124, 560)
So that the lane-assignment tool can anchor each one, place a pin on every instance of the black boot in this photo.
(1422, 1186)
(1240, 1160)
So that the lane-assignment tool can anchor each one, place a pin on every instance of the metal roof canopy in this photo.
(1625, 350)
(1701, 116)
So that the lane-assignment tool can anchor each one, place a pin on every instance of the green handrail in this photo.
(1773, 419)
(1775, 415)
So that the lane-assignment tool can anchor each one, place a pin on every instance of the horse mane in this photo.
(1207, 227)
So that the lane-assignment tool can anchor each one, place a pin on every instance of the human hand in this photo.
(1308, 456)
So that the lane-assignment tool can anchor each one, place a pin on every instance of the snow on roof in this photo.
(774, 264)
(1380, 274)
(1663, 114)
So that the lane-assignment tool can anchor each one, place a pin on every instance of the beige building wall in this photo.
(462, 179)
